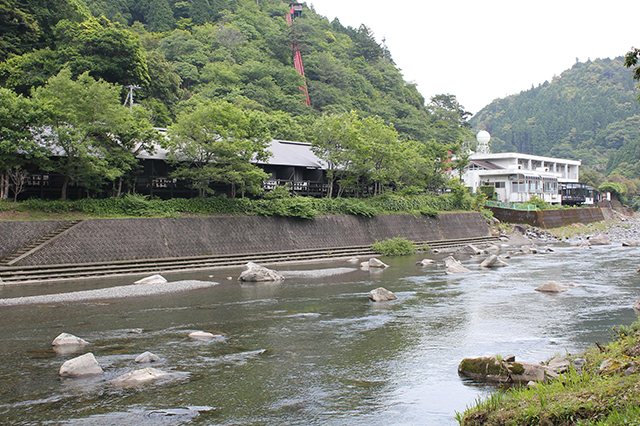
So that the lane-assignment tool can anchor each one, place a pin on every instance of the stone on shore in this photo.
(495, 370)
(153, 279)
(453, 266)
(381, 294)
(137, 377)
(66, 339)
(600, 240)
(256, 273)
(518, 240)
(631, 243)
(84, 365)
(551, 287)
(146, 358)
(377, 263)
(493, 261)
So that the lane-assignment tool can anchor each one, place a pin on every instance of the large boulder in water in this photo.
(255, 273)
(381, 294)
(66, 339)
(147, 357)
(84, 365)
(498, 370)
(551, 287)
(140, 376)
(453, 266)
(377, 263)
(517, 240)
(493, 261)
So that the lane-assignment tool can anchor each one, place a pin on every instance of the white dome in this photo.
(483, 136)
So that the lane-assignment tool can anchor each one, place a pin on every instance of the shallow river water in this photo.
(311, 350)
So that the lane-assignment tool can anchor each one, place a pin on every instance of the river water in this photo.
(312, 350)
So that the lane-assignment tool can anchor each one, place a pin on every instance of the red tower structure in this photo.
(294, 12)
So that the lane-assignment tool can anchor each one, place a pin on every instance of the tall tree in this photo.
(103, 49)
(20, 119)
(85, 119)
(334, 135)
(216, 143)
(160, 16)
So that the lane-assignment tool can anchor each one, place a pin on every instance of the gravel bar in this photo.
(117, 292)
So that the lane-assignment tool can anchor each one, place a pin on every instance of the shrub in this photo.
(394, 247)
(429, 211)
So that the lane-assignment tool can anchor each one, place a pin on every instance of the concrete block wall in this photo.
(106, 240)
(17, 234)
(549, 218)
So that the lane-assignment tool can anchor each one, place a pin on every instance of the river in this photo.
(312, 350)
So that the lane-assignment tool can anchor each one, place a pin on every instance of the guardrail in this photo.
(511, 206)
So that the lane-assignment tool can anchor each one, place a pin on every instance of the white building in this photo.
(517, 177)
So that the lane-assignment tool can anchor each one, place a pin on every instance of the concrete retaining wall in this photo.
(549, 218)
(104, 240)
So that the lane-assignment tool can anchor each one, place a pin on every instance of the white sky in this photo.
(484, 50)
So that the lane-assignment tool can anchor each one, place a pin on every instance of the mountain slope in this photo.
(590, 112)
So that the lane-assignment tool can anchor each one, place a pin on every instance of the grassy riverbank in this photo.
(604, 391)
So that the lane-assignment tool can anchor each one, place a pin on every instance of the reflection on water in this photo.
(312, 349)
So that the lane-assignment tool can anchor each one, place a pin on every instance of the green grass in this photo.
(585, 397)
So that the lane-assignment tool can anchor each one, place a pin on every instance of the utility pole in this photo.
(129, 98)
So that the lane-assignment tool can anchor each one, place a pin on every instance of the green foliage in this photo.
(489, 191)
(539, 203)
(590, 396)
(302, 207)
(616, 188)
(486, 214)
(280, 191)
(217, 142)
(394, 247)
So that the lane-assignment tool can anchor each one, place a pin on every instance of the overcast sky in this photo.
(483, 50)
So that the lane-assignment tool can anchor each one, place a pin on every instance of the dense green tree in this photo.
(160, 16)
(20, 119)
(103, 49)
(215, 143)
(91, 137)
(26, 25)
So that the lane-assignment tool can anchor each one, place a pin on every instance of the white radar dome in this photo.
(483, 136)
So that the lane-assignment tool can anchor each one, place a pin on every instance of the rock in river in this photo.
(84, 365)
(254, 272)
(381, 294)
(147, 357)
(153, 279)
(493, 261)
(454, 266)
(551, 287)
(140, 376)
(377, 263)
(66, 339)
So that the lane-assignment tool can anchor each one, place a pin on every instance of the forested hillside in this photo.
(590, 112)
(239, 51)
